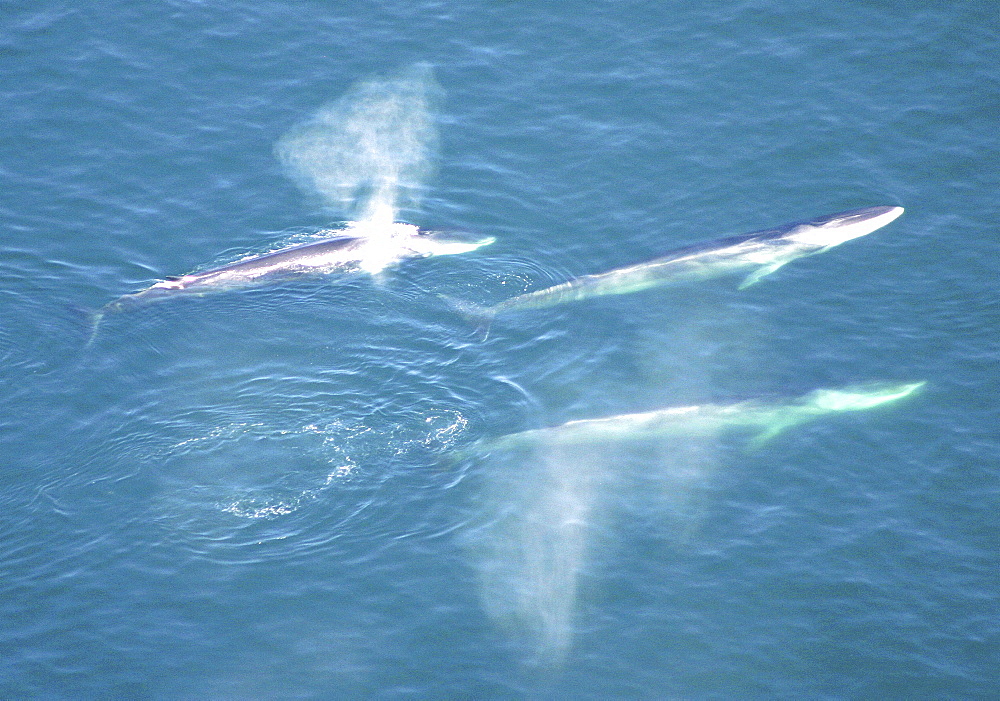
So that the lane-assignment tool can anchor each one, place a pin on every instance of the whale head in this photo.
(834, 229)
(859, 397)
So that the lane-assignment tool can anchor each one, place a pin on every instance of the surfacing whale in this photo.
(363, 247)
(356, 249)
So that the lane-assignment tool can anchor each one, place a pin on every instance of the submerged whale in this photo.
(763, 418)
(759, 252)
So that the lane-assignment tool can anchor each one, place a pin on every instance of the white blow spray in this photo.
(368, 153)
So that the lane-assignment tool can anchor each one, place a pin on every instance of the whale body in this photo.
(763, 418)
(758, 253)
(366, 247)
(355, 249)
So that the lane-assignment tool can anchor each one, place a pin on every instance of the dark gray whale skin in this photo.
(365, 247)
(271, 267)
(347, 252)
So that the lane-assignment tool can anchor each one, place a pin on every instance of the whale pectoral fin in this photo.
(759, 274)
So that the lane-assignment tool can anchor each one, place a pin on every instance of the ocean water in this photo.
(279, 492)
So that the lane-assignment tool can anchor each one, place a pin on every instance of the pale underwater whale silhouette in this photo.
(765, 419)
(759, 253)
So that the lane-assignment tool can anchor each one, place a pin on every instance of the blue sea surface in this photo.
(281, 492)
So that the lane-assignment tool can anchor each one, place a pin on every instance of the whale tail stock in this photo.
(87, 321)
(94, 322)
(482, 317)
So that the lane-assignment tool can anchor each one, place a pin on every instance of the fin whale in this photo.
(756, 254)
(362, 247)
(763, 419)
